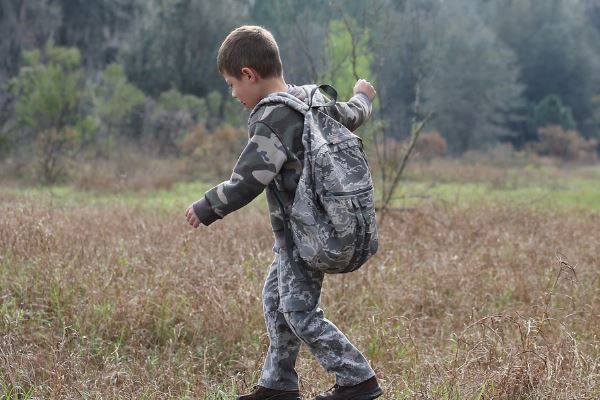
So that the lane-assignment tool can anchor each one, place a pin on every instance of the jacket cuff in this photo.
(365, 96)
(205, 212)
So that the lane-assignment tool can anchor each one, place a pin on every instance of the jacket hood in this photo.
(302, 92)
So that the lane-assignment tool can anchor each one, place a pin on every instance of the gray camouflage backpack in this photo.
(332, 217)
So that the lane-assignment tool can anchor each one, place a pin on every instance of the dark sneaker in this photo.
(366, 390)
(263, 393)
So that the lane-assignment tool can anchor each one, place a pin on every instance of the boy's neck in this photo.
(273, 85)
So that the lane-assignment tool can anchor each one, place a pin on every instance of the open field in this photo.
(485, 286)
(480, 120)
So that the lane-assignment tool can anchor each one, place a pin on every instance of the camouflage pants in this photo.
(290, 305)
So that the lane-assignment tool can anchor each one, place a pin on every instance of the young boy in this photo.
(249, 61)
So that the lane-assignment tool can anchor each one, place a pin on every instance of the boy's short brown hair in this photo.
(250, 46)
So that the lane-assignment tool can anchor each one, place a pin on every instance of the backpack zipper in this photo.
(359, 191)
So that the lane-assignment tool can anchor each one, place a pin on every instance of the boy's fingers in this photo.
(191, 217)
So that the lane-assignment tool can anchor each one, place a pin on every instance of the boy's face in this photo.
(246, 88)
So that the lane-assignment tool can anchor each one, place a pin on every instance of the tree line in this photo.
(93, 73)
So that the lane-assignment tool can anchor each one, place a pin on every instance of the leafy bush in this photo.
(224, 109)
(551, 111)
(5, 144)
(49, 91)
(116, 102)
(173, 116)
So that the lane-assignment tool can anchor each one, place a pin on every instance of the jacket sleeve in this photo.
(258, 164)
(352, 113)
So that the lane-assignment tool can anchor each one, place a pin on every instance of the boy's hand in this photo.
(191, 217)
(365, 87)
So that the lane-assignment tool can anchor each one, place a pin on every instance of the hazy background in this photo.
(86, 77)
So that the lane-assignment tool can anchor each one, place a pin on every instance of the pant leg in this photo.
(279, 367)
(330, 346)
(299, 291)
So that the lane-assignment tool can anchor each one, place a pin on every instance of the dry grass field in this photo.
(118, 299)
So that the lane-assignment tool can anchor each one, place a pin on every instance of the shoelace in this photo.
(254, 388)
(334, 388)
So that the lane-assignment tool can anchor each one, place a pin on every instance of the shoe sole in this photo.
(373, 394)
(283, 397)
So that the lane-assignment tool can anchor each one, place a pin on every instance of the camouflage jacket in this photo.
(274, 152)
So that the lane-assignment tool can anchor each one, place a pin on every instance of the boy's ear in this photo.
(250, 74)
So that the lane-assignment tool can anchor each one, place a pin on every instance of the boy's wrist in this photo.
(205, 212)
(364, 95)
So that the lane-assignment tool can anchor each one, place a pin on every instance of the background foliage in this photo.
(492, 71)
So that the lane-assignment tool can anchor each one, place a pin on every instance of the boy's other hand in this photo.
(365, 87)
(191, 217)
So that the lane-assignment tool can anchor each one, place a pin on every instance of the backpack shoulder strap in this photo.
(287, 230)
(329, 90)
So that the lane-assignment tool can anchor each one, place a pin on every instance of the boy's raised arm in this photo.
(256, 167)
(353, 113)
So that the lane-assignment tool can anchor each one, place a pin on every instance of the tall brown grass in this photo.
(116, 302)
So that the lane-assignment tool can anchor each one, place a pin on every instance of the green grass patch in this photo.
(567, 194)
(530, 186)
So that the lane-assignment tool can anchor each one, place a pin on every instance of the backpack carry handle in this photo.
(329, 90)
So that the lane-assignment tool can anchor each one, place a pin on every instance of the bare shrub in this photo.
(389, 146)
(431, 145)
(501, 155)
(446, 170)
(568, 145)
(52, 146)
(130, 168)
(17, 168)
(195, 139)
(213, 153)
(168, 127)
